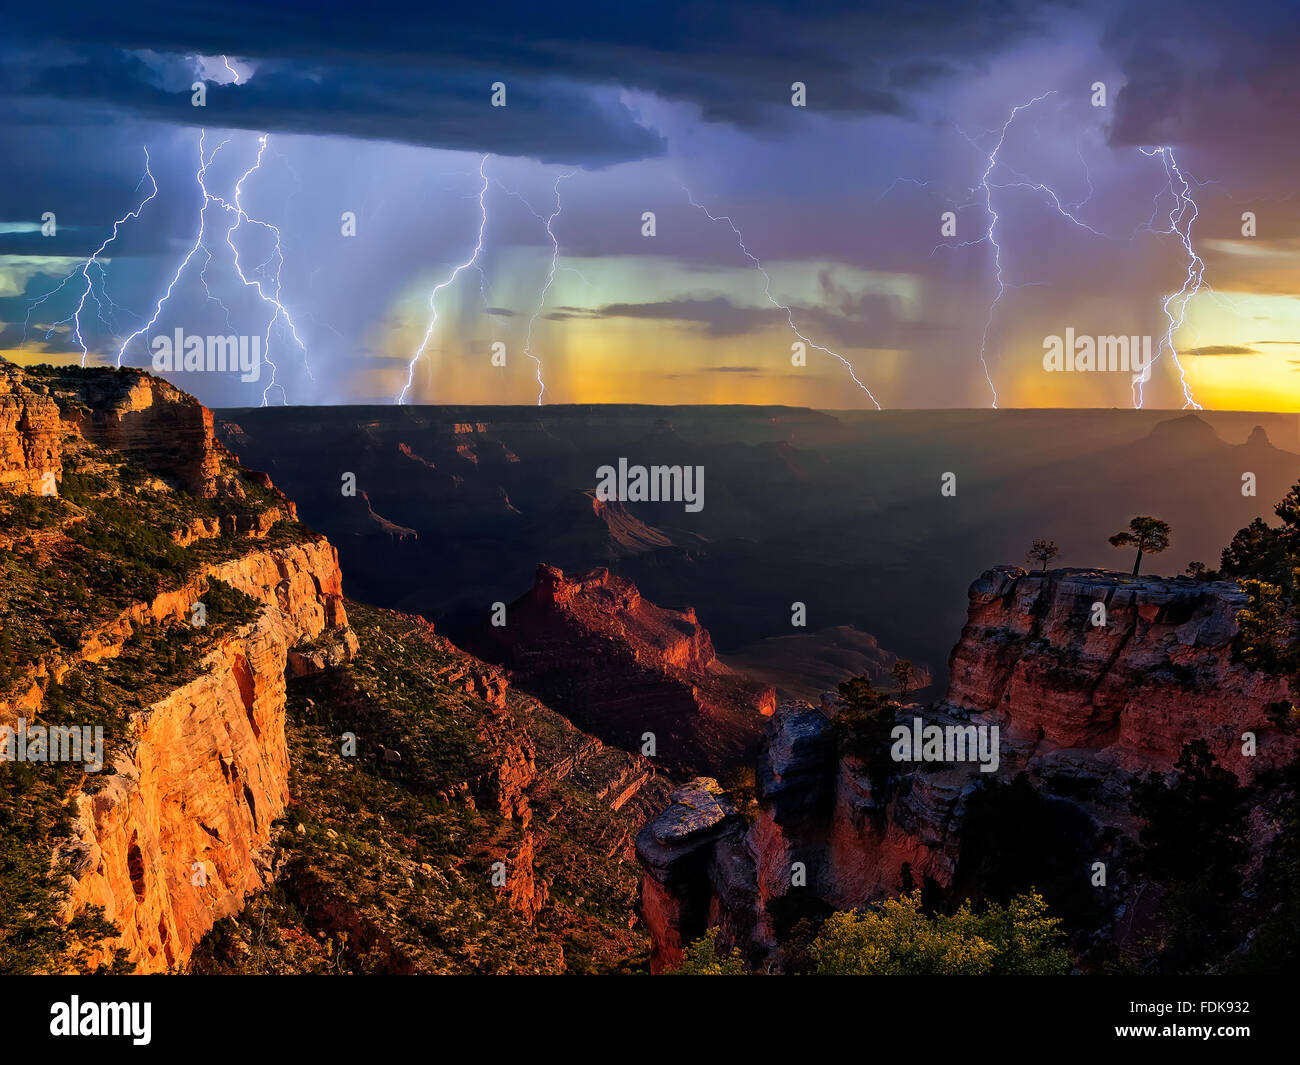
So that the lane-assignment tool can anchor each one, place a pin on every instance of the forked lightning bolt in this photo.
(88, 289)
(991, 236)
(767, 292)
(273, 300)
(550, 279)
(200, 176)
(433, 296)
(1181, 217)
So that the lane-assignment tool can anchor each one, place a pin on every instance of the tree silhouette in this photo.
(1042, 551)
(904, 673)
(1148, 535)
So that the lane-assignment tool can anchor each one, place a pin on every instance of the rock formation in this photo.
(30, 432)
(621, 667)
(173, 834)
(1082, 709)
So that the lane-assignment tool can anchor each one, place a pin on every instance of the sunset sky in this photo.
(386, 112)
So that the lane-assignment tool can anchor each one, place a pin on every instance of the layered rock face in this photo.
(175, 838)
(1132, 691)
(178, 836)
(475, 829)
(1081, 708)
(174, 835)
(30, 432)
(620, 667)
(151, 422)
(142, 417)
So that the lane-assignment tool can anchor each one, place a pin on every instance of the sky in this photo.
(954, 185)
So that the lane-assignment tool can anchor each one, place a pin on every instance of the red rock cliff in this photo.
(1081, 709)
(620, 667)
(175, 837)
(30, 432)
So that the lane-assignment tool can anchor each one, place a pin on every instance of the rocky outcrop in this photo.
(142, 417)
(1132, 691)
(178, 835)
(151, 422)
(300, 582)
(30, 432)
(175, 833)
(688, 852)
(621, 667)
(1082, 709)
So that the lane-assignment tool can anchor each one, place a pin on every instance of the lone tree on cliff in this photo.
(1148, 535)
(904, 674)
(1042, 551)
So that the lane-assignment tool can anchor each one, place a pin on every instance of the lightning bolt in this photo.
(280, 313)
(272, 300)
(468, 264)
(903, 181)
(200, 177)
(767, 292)
(991, 236)
(1181, 217)
(987, 184)
(87, 291)
(550, 279)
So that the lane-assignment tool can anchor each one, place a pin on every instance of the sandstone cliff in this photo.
(620, 667)
(472, 828)
(30, 432)
(150, 520)
(178, 835)
(1082, 711)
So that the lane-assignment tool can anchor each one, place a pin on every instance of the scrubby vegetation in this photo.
(1266, 561)
(35, 799)
(385, 860)
(705, 958)
(33, 820)
(902, 937)
(897, 938)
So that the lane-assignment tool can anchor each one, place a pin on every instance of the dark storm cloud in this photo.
(420, 73)
(546, 119)
(1210, 75)
(565, 314)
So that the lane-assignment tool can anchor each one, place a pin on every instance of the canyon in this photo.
(628, 670)
(570, 775)
(220, 794)
(1083, 712)
(838, 510)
